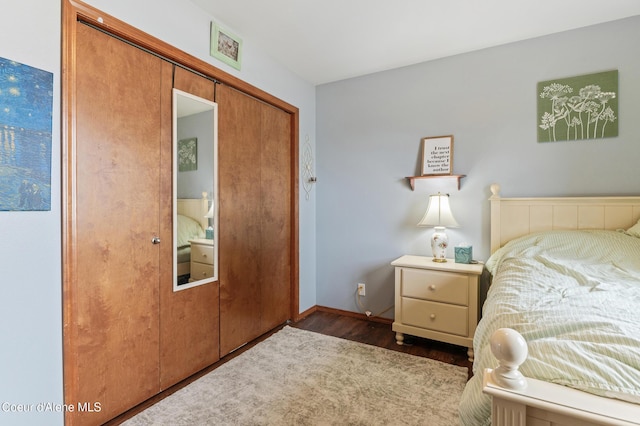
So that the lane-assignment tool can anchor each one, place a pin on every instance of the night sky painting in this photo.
(26, 102)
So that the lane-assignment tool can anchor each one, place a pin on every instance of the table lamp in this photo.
(209, 230)
(439, 216)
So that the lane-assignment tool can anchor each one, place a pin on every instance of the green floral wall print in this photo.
(582, 107)
(188, 155)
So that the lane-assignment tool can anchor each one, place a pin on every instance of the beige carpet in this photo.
(297, 377)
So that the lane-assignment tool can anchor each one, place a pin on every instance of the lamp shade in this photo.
(210, 212)
(438, 212)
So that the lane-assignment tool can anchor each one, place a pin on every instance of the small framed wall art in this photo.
(226, 46)
(437, 155)
(188, 155)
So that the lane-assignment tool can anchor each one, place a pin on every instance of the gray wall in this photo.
(368, 137)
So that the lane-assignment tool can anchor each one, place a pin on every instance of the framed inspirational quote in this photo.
(437, 155)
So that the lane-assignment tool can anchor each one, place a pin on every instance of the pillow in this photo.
(188, 229)
(634, 230)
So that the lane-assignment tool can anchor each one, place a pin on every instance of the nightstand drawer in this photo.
(435, 316)
(201, 271)
(438, 286)
(202, 253)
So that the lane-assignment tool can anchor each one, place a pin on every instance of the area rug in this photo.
(298, 377)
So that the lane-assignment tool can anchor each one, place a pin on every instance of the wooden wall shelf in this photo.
(412, 179)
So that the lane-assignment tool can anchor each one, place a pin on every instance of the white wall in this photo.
(30, 242)
(369, 132)
(30, 305)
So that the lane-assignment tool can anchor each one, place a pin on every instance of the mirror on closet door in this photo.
(195, 190)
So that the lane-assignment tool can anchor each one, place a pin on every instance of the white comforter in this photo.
(575, 298)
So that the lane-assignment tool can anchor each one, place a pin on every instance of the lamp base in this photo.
(439, 244)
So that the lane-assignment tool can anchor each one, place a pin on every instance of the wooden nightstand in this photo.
(437, 301)
(201, 259)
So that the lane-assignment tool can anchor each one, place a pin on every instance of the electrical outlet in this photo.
(361, 289)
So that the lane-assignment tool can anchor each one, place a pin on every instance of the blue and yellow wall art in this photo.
(26, 103)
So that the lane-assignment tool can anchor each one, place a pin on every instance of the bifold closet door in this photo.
(255, 217)
(189, 318)
(113, 265)
(276, 215)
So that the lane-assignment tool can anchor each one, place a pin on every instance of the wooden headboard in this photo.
(515, 217)
(195, 208)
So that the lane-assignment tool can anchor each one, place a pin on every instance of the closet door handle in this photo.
(155, 240)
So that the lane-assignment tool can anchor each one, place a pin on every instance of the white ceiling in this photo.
(329, 40)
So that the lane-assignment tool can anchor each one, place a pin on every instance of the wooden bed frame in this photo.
(520, 401)
(195, 208)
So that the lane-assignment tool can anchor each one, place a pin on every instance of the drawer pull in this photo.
(432, 287)
(432, 316)
(204, 255)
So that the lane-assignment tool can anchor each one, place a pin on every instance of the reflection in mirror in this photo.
(195, 183)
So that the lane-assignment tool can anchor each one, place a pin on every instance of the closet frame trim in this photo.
(77, 13)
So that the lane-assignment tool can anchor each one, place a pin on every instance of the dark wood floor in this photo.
(380, 334)
(355, 328)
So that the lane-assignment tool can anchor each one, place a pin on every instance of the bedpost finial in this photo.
(510, 348)
(495, 189)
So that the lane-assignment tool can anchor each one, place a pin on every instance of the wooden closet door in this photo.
(255, 217)
(275, 215)
(239, 163)
(189, 327)
(111, 293)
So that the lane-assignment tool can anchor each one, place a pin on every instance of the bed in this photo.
(191, 223)
(559, 338)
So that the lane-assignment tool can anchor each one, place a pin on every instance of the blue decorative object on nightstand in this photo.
(463, 254)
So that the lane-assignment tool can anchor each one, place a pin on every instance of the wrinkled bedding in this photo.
(575, 298)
